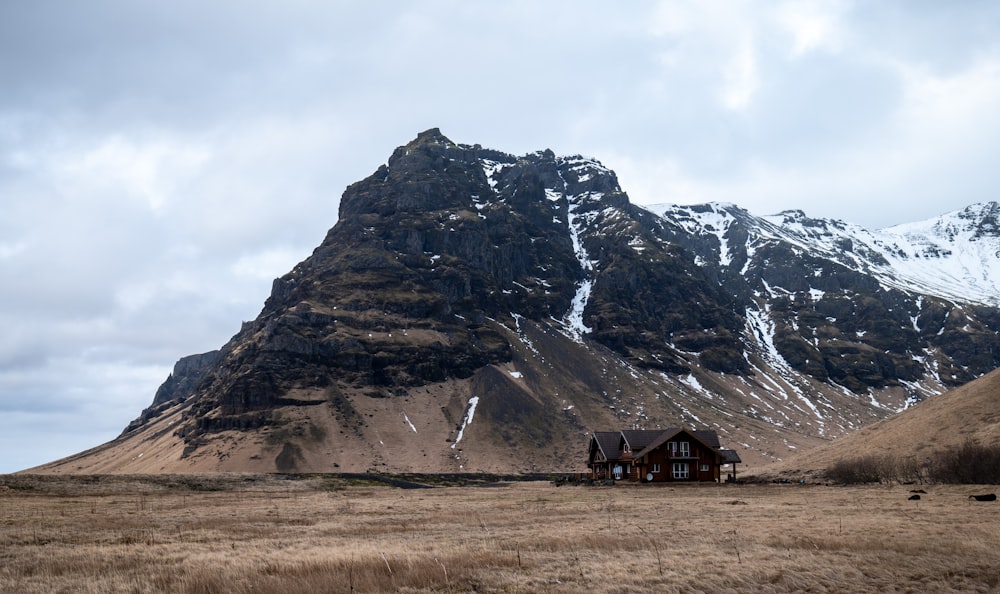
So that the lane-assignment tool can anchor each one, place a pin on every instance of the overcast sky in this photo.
(162, 162)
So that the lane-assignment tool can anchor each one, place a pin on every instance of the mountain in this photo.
(473, 310)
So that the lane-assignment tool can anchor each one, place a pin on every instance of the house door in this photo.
(618, 472)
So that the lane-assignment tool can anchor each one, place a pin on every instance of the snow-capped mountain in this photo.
(955, 255)
(475, 310)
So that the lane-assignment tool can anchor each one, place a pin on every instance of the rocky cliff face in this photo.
(473, 310)
(187, 375)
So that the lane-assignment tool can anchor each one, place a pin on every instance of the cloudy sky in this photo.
(162, 162)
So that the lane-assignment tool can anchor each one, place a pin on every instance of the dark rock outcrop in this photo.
(188, 373)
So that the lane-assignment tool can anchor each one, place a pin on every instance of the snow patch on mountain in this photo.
(470, 413)
(589, 165)
(492, 169)
(577, 224)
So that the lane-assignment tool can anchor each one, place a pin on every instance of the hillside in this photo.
(968, 413)
(473, 310)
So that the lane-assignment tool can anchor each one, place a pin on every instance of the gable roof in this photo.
(668, 434)
(639, 439)
(707, 437)
(607, 442)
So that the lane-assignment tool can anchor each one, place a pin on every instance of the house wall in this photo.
(699, 457)
(658, 457)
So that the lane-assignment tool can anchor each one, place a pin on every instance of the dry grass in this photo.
(143, 535)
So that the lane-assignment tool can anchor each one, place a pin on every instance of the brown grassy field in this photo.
(323, 534)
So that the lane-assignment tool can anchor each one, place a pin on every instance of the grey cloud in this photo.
(941, 36)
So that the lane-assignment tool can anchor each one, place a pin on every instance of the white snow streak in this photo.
(468, 419)
(520, 333)
(760, 326)
(693, 382)
(574, 319)
(491, 168)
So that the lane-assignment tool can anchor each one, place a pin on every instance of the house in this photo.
(659, 455)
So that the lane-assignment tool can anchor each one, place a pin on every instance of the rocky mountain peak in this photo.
(981, 220)
(792, 216)
(432, 136)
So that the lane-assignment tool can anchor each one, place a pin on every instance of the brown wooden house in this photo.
(658, 455)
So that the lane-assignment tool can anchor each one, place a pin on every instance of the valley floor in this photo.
(265, 534)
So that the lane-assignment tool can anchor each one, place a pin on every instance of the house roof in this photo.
(607, 442)
(668, 434)
(708, 437)
(639, 439)
(643, 441)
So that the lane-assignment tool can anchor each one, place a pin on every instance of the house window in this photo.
(656, 468)
(685, 449)
(704, 467)
(681, 470)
